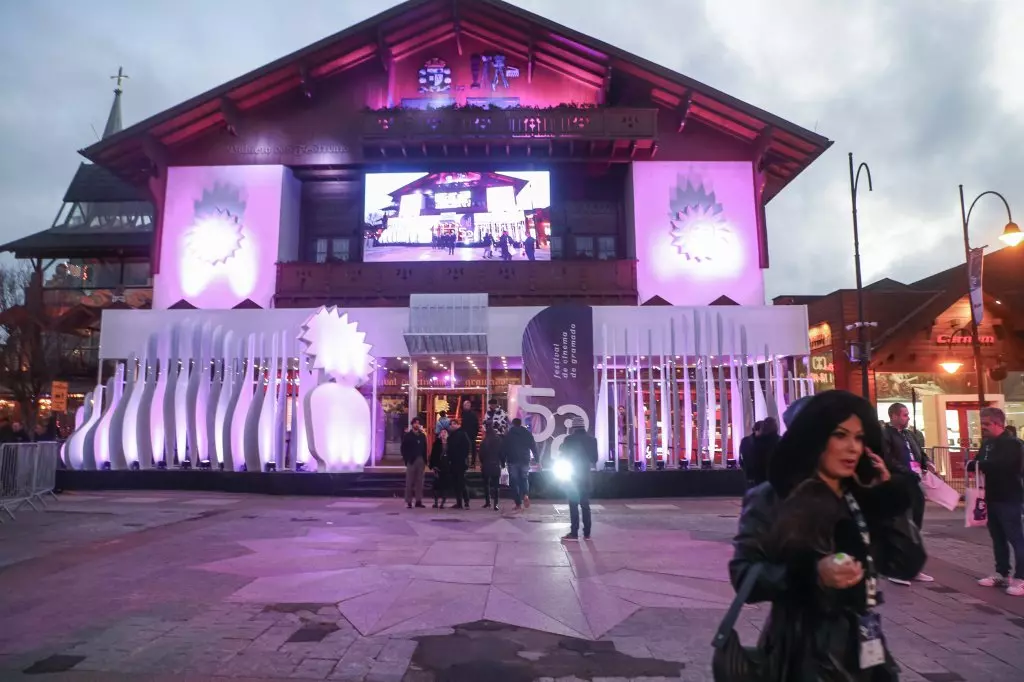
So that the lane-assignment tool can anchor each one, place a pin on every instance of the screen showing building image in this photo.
(457, 216)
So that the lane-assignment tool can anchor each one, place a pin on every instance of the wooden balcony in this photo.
(566, 123)
(523, 283)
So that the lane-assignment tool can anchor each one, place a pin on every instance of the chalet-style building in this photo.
(921, 353)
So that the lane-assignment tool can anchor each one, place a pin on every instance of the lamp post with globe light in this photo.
(1011, 236)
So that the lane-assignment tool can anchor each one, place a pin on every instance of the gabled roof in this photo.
(67, 243)
(416, 24)
(96, 184)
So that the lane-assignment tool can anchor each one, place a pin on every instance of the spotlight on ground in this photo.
(271, 466)
(300, 466)
(205, 464)
(186, 464)
(105, 466)
(684, 464)
(135, 466)
(705, 464)
(731, 463)
(660, 466)
(162, 464)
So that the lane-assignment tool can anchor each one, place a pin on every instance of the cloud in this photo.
(926, 92)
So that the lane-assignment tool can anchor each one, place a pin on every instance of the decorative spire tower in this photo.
(114, 119)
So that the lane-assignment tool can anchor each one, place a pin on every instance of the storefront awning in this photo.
(447, 324)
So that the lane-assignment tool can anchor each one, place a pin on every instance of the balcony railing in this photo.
(517, 283)
(560, 123)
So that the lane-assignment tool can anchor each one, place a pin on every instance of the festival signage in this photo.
(558, 352)
(962, 339)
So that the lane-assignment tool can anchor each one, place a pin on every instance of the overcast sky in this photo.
(928, 92)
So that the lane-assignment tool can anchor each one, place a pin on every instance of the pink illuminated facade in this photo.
(351, 174)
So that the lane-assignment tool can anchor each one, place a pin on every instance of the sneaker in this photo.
(420, 505)
(993, 581)
(571, 537)
(1016, 588)
(924, 578)
(487, 505)
(408, 505)
(586, 536)
(899, 581)
(496, 508)
(526, 501)
(435, 504)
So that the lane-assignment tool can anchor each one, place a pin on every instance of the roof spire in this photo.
(114, 119)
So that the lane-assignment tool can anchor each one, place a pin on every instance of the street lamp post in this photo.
(863, 356)
(1012, 236)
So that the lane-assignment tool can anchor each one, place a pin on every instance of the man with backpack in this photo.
(580, 450)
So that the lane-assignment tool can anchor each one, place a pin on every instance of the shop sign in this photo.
(820, 336)
(960, 339)
(823, 372)
(59, 397)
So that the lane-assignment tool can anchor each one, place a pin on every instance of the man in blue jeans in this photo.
(1001, 460)
(519, 447)
(580, 450)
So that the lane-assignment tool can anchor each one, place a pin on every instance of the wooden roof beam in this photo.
(684, 110)
(387, 57)
(458, 26)
(232, 117)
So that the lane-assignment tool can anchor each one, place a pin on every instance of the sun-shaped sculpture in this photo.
(337, 347)
(699, 230)
(215, 238)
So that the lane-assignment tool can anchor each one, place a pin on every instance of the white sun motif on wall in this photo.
(699, 229)
(216, 234)
(337, 347)
(216, 238)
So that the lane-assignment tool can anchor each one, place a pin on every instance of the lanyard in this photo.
(870, 578)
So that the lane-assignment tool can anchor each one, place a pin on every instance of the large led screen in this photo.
(457, 216)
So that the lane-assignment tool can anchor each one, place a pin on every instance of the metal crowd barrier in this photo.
(28, 474)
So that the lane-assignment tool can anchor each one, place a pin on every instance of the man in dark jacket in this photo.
(414, 454)
(458, 458)
(1001, 459)
(492, 459)
(580, 450)
(471, 425)
(746, 448)
(519, 446)
(903, 454)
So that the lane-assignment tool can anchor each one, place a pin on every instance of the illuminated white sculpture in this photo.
(251, 423)
(75, 445)
(337, 416)
(101, 432)
(129, 401)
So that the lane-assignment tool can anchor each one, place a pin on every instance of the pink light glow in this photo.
(696, 232)
(221, 230)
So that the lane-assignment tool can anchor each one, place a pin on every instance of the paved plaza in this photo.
(191, 586)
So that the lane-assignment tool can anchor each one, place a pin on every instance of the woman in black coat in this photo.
(440, 464)
(819, 569)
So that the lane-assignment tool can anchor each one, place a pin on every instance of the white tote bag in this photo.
(975, 510)
(503, 478)
(939, 492)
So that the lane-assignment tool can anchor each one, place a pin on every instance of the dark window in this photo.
(606, 248)
(332, 249)
(584, 247)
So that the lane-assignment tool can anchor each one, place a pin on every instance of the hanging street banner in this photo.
(558, 354)
(975, 266)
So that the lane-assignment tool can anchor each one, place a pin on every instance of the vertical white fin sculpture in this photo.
(75, 445)
(142, 432)
(251, 438)
(307, 381)
(179, 396)
(687, 397)
(601, 419)
(125, 418)
(739, 425)
(90, 457)
(221, 428)
(780, 387)
(195, 396)
(101, 437)
(151, 422)
(244, 394)
(215, 386)
(723, 393)
(337, 415)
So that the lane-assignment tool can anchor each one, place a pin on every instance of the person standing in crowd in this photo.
(580, 449)
(440, 464)
(458, 455)
(765, 441)
(902, 453)
(17, 434)
(471, 425)
(1001, 460)
(821, 530)
(414, 454)
(530, 248)
(443, 423)
(746, 449)
(496, 417)
(492, 459)
(519, 447)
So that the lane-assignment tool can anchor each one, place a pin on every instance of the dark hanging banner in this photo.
(558, 353)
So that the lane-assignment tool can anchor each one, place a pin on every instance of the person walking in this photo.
(458, 456)
(902, 453)
(492, 459)
(414, 454)
(1001, 460)
(519, 447)
(471, 425)
(443, 423)
(819, 532)
(496, 417)
(580, 449)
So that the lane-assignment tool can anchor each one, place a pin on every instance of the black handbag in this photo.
(731, 661)
(901, 550)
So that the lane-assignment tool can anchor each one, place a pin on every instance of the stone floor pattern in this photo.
(179, 586)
